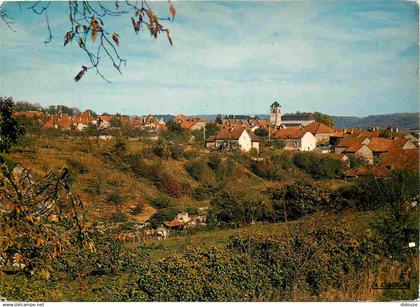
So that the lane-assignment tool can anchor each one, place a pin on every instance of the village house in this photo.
(295, 139)
(361, 151)
(193, 124)
(401, 159)
(234, 138)
(349, 141)
(321, 132)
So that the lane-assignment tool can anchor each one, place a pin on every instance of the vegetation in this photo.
(10, 129)
(279, 226)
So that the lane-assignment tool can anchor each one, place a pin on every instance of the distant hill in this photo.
(400, 120)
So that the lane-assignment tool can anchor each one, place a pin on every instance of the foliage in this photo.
(199, 170)
(297, 199)
(10, 130)
(115, 121)
(162, 149)
(211, 129)
(173, 126)
(177, 151)
(275, 167)
(162, 201)
(324, 119)
(165, 214)
(318, 166)
(90, 20)
(262, 132)
(172, 186)
(41, 219)
(214, 161)
(239, 208)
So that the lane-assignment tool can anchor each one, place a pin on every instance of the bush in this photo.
(214, 161)
(240, 208)
(162, 149)
(177, 152)
(199, 170)
(298, 199)
(115, 199)
(139, 209)
(172, 186)
(162, 202)
(318, 166)
(203, 192)
(276, 167)
(119, 218)
(166, 214)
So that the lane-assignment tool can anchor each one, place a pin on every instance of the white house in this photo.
(295, 139)
(234, 138)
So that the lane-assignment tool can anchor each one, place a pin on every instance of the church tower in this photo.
(275, 114)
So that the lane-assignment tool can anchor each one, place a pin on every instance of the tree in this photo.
(218, 119)
(10, 130)
(41, 219)
(90, 20)
(211, 129)
(261, 132)
(173, 126)
(324, 119)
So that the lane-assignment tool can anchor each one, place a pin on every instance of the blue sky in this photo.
(340, 58)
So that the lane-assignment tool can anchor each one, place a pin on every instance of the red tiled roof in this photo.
(289, 133)
(354, 147)
(369, 134)
(232, 133)
(173, 224)
(318, 128)
(349, 141)
(380, 144)
(402, 159)
(366, 171)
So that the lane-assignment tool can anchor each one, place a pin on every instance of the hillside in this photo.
(400, 120)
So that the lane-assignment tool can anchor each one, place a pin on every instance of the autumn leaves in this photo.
(144, 19)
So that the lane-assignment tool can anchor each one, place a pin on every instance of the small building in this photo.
(234, 138)
(295, 139)
(196, 124)
(321, 132)
(361, 151)
(350, 141)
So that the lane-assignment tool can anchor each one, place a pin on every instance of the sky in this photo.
(341, 58)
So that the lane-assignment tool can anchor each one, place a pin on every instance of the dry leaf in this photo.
(116, 38)
(172, 11)
(68, 37)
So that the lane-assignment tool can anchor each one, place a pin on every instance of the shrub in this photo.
(162, 202)
(172, 186)
(200, 171)
(162, 149)
(138, 209)
(298, 199)
(203, 192)
(240, 208)
(115, 199)
(214, 161)
(119, 217)
(177, 152)
(318, 166)
(166, 214)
